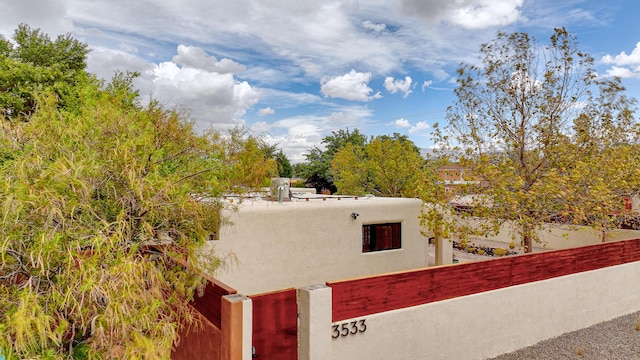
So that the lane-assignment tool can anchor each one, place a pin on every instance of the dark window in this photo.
(376, 237)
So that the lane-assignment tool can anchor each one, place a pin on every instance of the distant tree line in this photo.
(353, 164)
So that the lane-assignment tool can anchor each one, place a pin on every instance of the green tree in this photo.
(298, 168)
(36, 48)
(98, 198)
(537, 128)
(285, 170)
(349, 170)
(5, 47)
(317, 169)
(37, 64)
(249, 160)
(385, 166)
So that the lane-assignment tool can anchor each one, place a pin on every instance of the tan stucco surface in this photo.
(487, 324)
(558, 236)
(297, 243)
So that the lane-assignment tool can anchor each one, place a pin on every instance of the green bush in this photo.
(499, 252)
(298, 183)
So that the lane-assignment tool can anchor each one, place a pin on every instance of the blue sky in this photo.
(295, 70)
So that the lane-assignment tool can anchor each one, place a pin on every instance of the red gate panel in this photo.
(275, 325)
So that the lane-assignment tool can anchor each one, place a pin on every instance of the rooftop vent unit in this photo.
(280, 189)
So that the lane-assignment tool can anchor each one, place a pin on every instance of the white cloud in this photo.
(301, 133)
(487, 13)
(468, 14)
(206, 87)
(624, 65)
(419, 126)
(49, 16)
(296, 135)
(212, 98)
(351, 86)
(266, 111)
(343, 119)
(393, 86)
(290, 99)
(260, 127)
(321, 36)
(426, 84)
(128, 47)
(623, 72)
(301, 127)
(406, 124)
(104, 63)
(287, 47)
(373, 26)
(401, 123)
(313, 37)
(624, 59)
(195, 57)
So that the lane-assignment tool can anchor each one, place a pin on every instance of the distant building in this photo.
(454, 176)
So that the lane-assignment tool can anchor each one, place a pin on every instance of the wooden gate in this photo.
(275, 325)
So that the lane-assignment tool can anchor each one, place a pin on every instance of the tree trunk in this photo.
(527, 239)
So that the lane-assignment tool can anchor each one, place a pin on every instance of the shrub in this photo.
(499, 252)
(298, 183)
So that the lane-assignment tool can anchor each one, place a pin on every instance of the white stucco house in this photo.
(308, 239)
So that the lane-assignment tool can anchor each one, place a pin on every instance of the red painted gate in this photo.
(275, 325)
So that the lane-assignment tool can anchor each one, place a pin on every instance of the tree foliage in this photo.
(89, 189)
(538, 130)
(389, 166)
(37, 64)
(317, 169)
(285, 170)
(36, 48)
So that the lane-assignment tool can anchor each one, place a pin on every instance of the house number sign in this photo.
(348, 328)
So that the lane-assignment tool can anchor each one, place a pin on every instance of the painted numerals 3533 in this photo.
(348, 328)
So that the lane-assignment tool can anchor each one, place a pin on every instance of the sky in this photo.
(293, 71)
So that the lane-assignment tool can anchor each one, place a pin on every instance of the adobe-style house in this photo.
(451, 172)
(453, 176)
(327, 277)
(312, 238)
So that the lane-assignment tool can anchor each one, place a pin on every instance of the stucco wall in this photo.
(557, 236)
(298, 243)
(491, 323)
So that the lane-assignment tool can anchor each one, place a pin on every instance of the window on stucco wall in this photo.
(377, 237)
